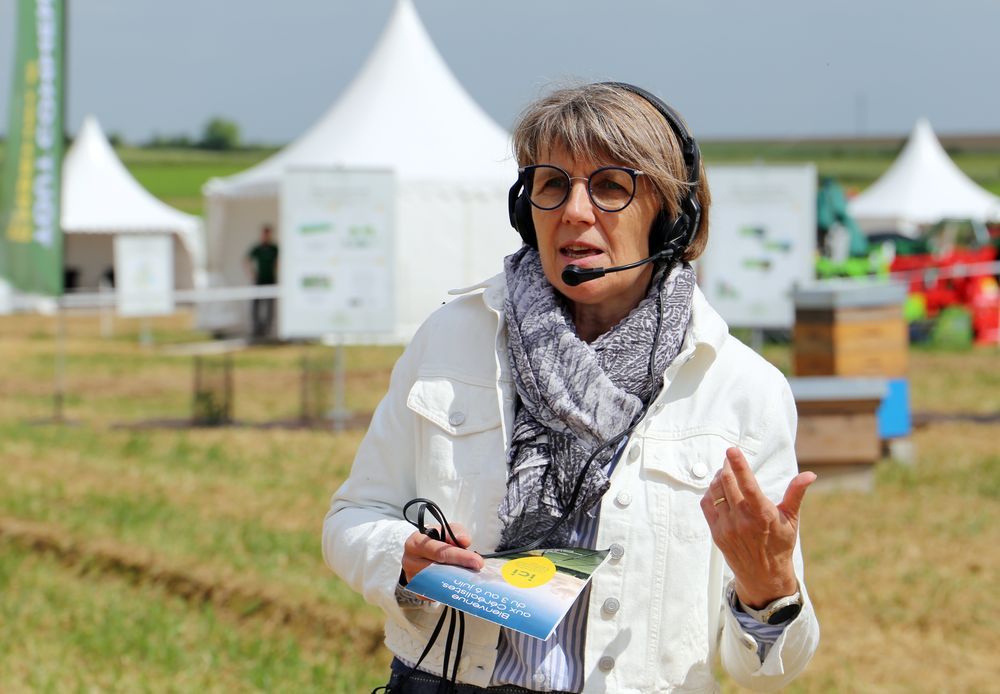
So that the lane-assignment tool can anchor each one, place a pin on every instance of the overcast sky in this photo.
(734, 68)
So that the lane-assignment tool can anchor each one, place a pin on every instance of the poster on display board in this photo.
(144, 274)
(761, 242)
(335, 268)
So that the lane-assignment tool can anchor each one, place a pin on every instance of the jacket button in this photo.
(633, 452)
(456, 419)
(623, 499)
(606, 663)
(539, 679)
(611, 605)
(699, 470)
(617, 551)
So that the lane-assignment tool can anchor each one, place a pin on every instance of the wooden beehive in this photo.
(838, 428)
(854, 329)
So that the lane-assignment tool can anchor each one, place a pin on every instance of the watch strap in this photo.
(777, 611)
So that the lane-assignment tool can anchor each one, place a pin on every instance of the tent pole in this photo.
(146, 332)
(58, 396)
(60, 375)
(340, 414)
(107, 312)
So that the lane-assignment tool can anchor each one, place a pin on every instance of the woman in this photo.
(581, 407)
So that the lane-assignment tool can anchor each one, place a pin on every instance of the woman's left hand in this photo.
(756, 536)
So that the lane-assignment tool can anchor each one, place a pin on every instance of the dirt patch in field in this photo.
(923, 419)
(240, 599)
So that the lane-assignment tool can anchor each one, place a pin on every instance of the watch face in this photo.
(785, 614)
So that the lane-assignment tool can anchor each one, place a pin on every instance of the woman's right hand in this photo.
(420, 551)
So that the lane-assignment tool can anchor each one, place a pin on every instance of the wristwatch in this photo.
(777, 612)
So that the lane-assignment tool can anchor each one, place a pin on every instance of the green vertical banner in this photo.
(30, 232)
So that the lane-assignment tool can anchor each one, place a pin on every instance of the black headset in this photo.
(668, 238)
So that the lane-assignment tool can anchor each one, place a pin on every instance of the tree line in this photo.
(219, 134)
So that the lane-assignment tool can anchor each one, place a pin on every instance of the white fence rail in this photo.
(107, 298)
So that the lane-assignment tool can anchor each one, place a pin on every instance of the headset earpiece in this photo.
(525, 224)
(685, 226)
(679, 232)
(659, 231)
(519, 210)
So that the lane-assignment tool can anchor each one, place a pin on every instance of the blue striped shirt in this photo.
(557, 663)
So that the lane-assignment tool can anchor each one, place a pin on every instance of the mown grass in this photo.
(903, 579)
(244, 498)
(155, 383)
(238, 506)
(205, 499)
(65, 630)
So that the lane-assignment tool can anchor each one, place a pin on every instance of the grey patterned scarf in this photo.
(575, 396)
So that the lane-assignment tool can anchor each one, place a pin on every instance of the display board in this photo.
(6, 298)
(761, 242)
(144, 274)
(335, 265)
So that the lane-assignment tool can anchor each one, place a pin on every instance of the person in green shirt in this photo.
(262, 266)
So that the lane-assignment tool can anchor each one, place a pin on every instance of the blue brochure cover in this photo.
(529, 592)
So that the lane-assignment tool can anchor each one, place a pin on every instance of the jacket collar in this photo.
(494, 291)
(707, 328)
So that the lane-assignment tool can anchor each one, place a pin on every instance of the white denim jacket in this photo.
(442, 432)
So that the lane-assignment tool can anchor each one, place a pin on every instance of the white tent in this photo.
(405, 111)
(100, 198)
(923, 186)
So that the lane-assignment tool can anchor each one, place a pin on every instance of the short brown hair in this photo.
(604, 121)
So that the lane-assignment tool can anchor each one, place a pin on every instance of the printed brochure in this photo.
(529, 592)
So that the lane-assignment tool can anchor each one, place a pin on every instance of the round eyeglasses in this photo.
(611, 188)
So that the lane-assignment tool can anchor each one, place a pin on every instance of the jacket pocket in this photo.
(456, 407)
(685, 465)
(460, 435)
(461, 459)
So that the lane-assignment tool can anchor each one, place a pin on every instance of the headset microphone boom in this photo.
(574, 274)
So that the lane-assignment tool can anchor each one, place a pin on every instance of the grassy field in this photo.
(163, 559)
(171, 559)
(176, 176)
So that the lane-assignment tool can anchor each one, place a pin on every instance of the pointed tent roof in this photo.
(100, 196)
(404, 111)
(923, 186)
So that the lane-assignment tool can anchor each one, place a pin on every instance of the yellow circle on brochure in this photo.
(528, 572)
